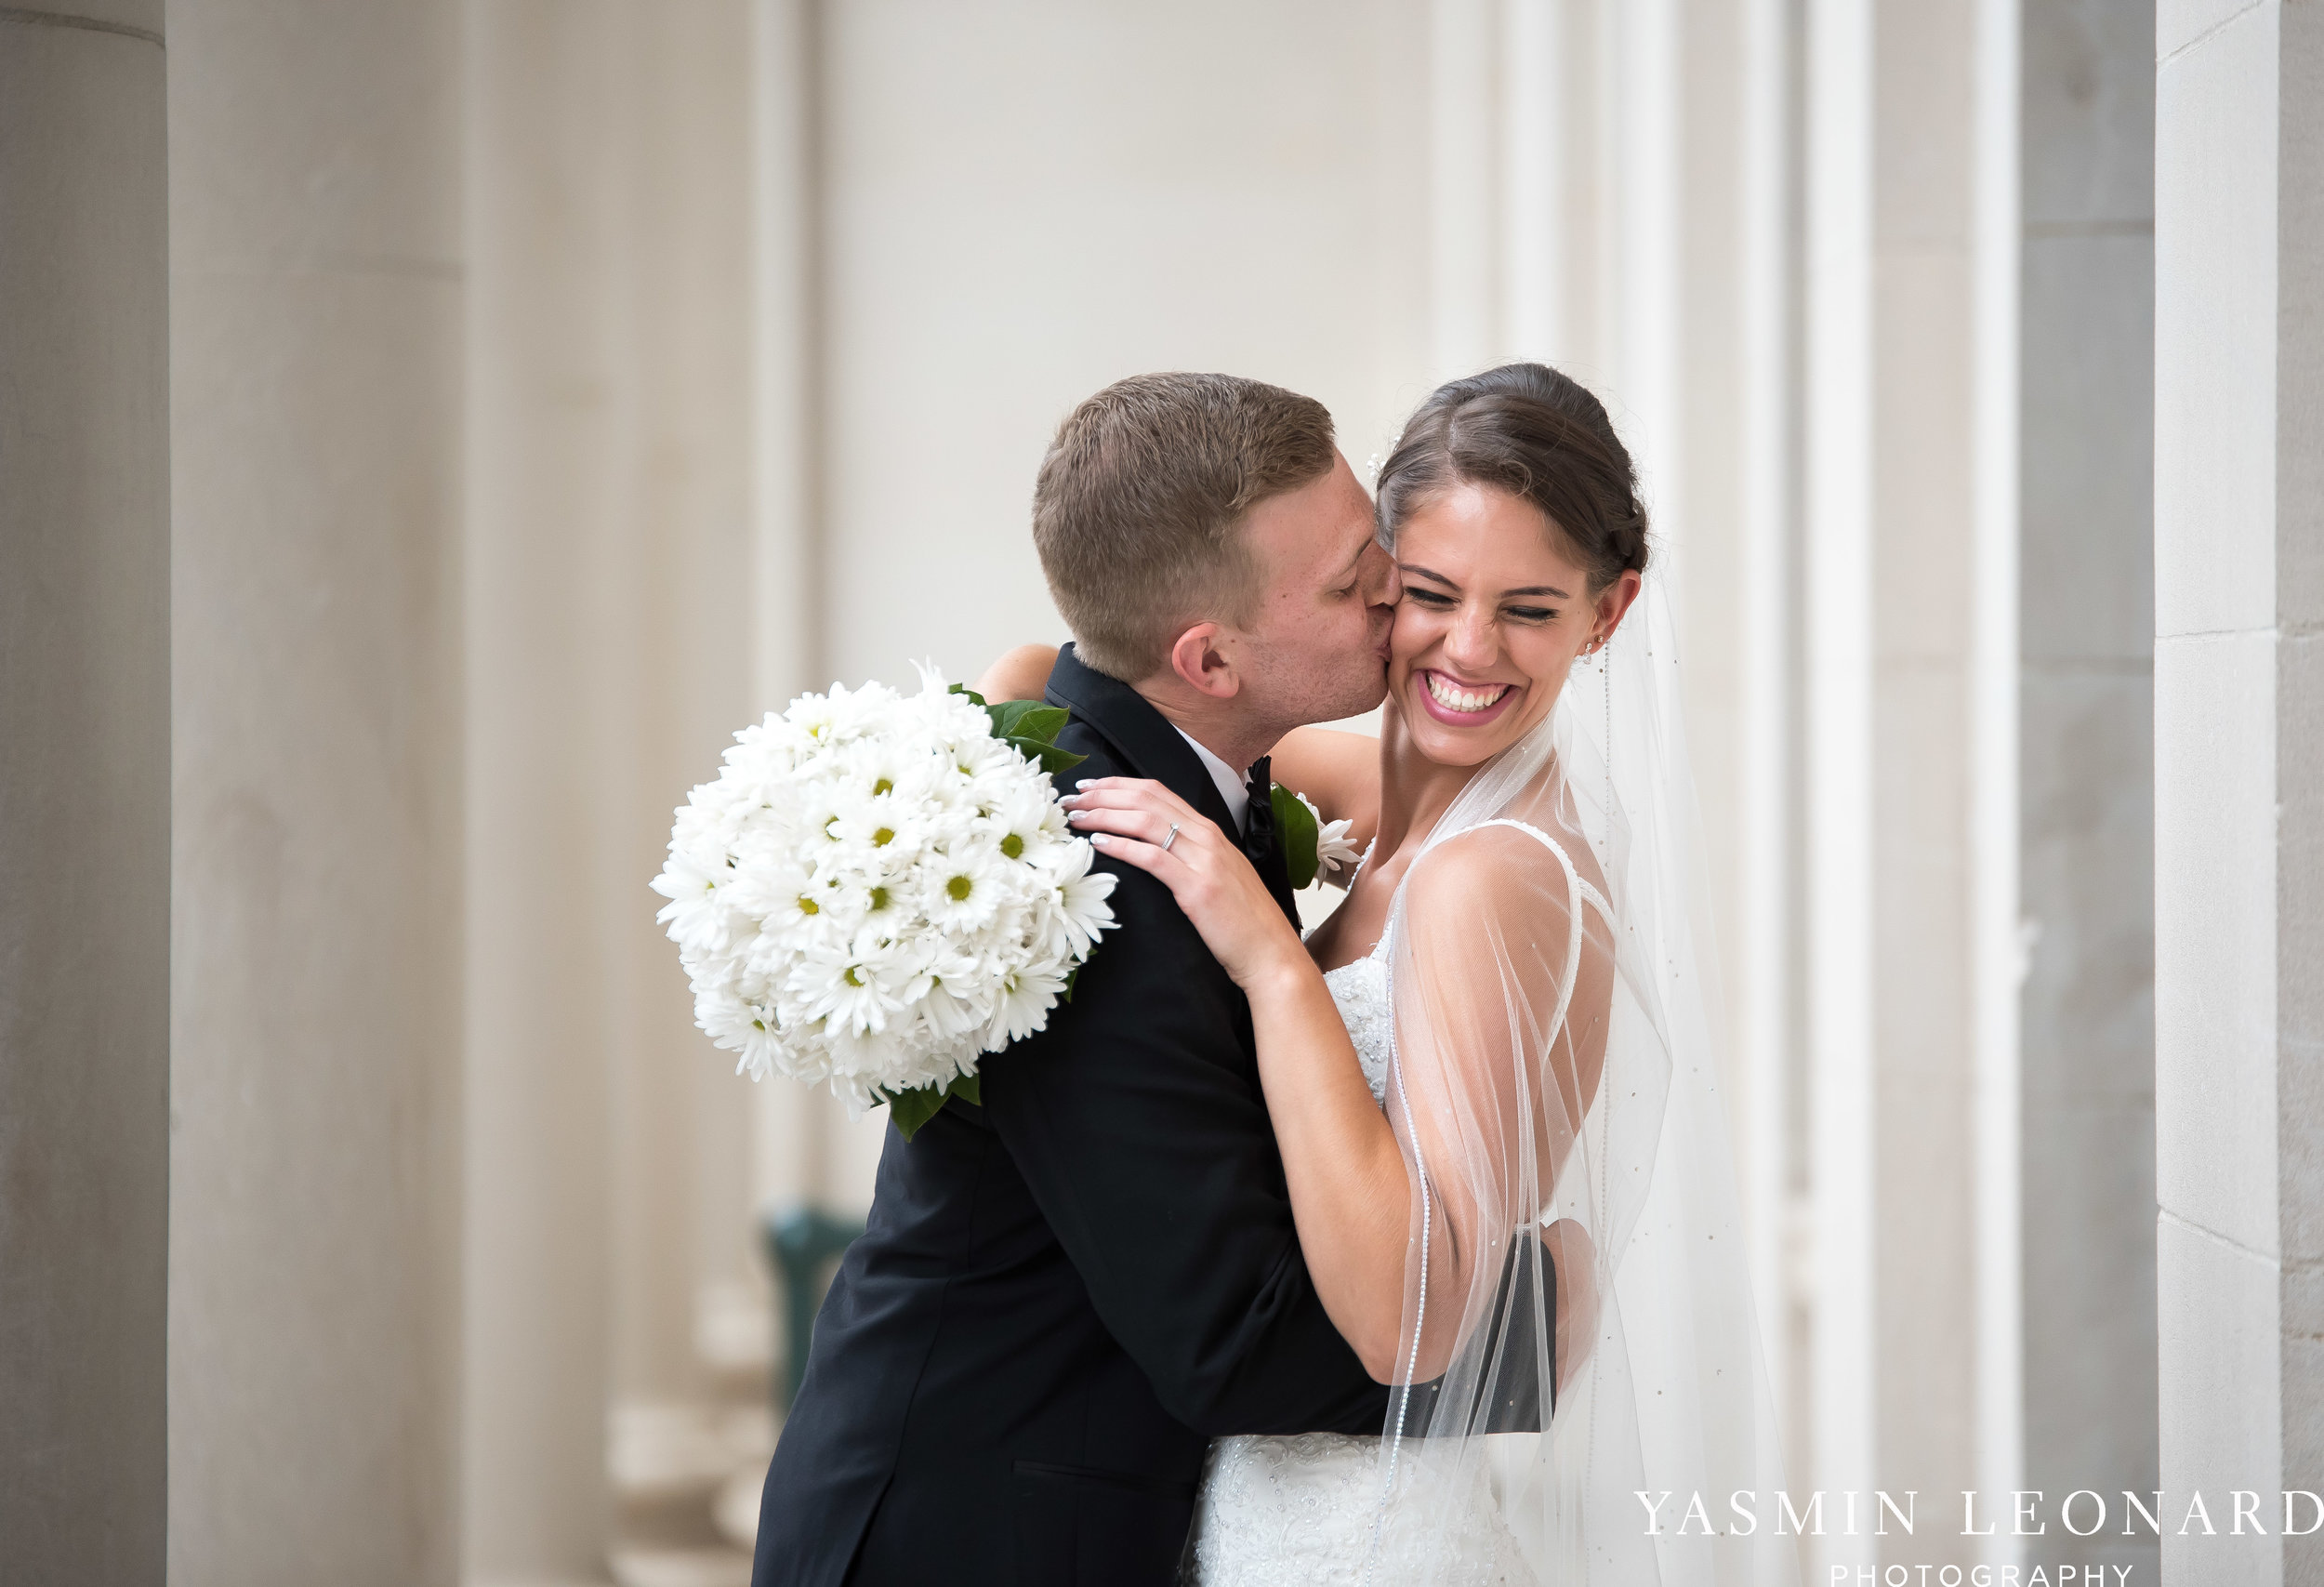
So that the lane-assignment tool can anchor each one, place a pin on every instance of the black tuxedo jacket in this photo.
(1063, 1294)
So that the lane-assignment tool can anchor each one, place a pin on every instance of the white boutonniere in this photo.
(1312, 846)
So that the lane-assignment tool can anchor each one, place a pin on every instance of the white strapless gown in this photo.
(1276, 1510)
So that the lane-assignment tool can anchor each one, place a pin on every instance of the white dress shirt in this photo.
(1234, 786)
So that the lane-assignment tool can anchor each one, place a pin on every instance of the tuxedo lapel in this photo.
(1263, 844)
(1140, 735)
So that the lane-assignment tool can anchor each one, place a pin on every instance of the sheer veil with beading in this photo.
(1555, 1091)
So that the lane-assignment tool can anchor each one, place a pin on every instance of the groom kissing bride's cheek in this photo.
(1271, 1260)
(1063, 1294)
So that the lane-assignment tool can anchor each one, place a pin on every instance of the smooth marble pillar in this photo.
(544, 679)
(1892, 571)
(1923, 586)
(792, 1127)
(609, 642)
(316, 292)
(84, 816)
(2086, 796)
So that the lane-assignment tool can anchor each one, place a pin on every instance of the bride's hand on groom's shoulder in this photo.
(1143, 824)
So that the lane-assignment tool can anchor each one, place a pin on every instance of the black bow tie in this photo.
(1259, 819)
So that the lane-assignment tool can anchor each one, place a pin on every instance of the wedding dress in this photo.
(1276, 1510)
(1537, 1028)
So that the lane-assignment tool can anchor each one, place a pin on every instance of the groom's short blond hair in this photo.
(1140, 509)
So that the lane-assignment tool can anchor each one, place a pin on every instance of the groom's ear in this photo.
(1200, 658)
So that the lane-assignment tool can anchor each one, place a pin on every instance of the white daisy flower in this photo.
(965, 892)
(698, 921)
(1027, 996)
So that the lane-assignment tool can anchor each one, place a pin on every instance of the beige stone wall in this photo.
(1020, 202)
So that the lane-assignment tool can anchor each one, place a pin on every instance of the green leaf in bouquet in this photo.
(1036, 719)
(1295, 824)
(1030, 727)
(973, 696)
(913, 1109)
(1052, 760)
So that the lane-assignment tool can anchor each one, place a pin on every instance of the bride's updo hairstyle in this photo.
(1529, 430)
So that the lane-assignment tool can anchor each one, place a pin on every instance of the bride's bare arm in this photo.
(1018, 674)
(1350, 1193)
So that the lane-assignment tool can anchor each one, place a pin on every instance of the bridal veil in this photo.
(1556, 1093)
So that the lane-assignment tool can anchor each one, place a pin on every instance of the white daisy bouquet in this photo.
(879, 887)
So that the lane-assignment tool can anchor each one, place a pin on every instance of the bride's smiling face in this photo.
(1494, 612)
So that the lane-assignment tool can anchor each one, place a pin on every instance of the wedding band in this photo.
(1171, 839)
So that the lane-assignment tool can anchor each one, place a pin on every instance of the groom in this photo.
(1065, 1293)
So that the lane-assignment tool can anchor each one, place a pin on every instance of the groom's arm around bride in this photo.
(1063, 1294)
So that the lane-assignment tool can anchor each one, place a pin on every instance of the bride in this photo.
(1490, 1069)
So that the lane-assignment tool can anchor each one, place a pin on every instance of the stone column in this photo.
(683, 1150)
(1892, 555)
(84, 816)
(610, 642)
(1837, 754)
(547, 692)
(316, 298)
(792, 1127)
(2240, 776)
(2086, 798)
(1736, 110)
(1923, 588)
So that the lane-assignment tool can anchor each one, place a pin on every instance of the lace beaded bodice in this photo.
(1361, 991)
